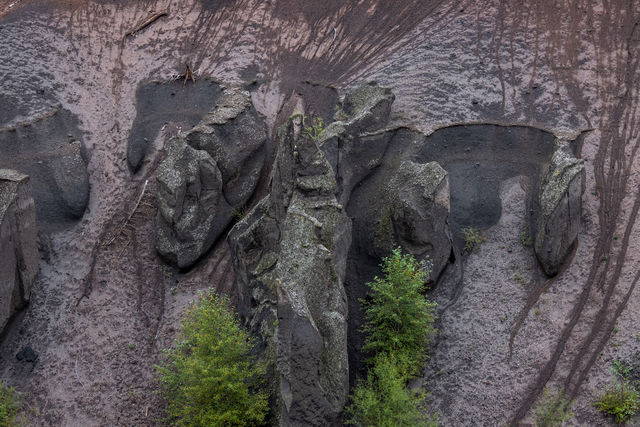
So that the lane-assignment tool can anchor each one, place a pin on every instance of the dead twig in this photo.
(146, 23)
(126, 221)
(188, 74)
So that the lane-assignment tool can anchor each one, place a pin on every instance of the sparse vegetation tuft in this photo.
(10, 405)
(621, 401)
(472, 238)
(210, 378)
(552, 410)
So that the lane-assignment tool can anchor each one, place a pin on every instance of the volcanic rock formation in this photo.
(562, 185)
(18, 248)
(289, 255)
(208, 175)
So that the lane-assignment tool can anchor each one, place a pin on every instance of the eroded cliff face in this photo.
(481, 88)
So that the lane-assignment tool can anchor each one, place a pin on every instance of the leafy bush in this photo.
(384, 400)
(399, 323)
(471, 239)
(209, 378)
(553, 410)
(10, 405)
(315, 129)
(399, 318)
(621, 401)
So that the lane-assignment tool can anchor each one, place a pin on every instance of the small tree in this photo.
(399, 318)
(399, 323)
(383, 400)
(209, 378)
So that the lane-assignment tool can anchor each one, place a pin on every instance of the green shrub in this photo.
(398, 325)
(10, 405)
(209, 378)
(553, 410)
(384, 400)
(313, 130)
(471, 239)
(621, 401)
(399, 318)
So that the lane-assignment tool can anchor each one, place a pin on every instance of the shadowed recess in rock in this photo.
(47, 148)
(478, 158)
(158, 103)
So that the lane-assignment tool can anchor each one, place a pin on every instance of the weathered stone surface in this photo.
(350, 143)
(367, 108)
(207, 174)
(18, 245)
(70, 175)
(289, 257)
(414, 215)
(560, 199)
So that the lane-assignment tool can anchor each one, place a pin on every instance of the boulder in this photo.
(353, 144)
(562, 184)
(69, 171)
(207, 177)
(289, 255)
(18, 243)
(414, 213)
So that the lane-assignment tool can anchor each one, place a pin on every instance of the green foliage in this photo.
(384, 400)
(525, 238)
(10, 405)
(209, 378)
(313, 130)
(471, 239)
(399, 323)
(622, 370)
(621, 401)
(399, 318)
(553, 410)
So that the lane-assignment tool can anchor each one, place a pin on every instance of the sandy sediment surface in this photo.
(104, 304)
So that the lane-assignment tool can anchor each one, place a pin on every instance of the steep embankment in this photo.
(105, 304)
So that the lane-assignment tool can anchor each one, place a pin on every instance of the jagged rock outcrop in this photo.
(352, 154)
(560, 200)
(412, 212)
(207, 176)
(289, 257)
(18, 245)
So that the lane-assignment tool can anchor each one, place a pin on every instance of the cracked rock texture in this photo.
(562, 186)
(289, 255)
(18, 248)
(207, 176)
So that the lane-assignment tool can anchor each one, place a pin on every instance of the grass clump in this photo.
(10, 405)
(552, 410)
(210, 378)
(398, 325)
(621, 401)
(472, 238)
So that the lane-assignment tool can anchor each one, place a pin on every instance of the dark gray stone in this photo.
(18, 243)
(207, 176)
(560, 204)
(289, 256)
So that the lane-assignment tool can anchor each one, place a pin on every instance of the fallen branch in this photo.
(126, 221)
(146, 23)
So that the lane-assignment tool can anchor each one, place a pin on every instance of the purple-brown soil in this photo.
(105, 304)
